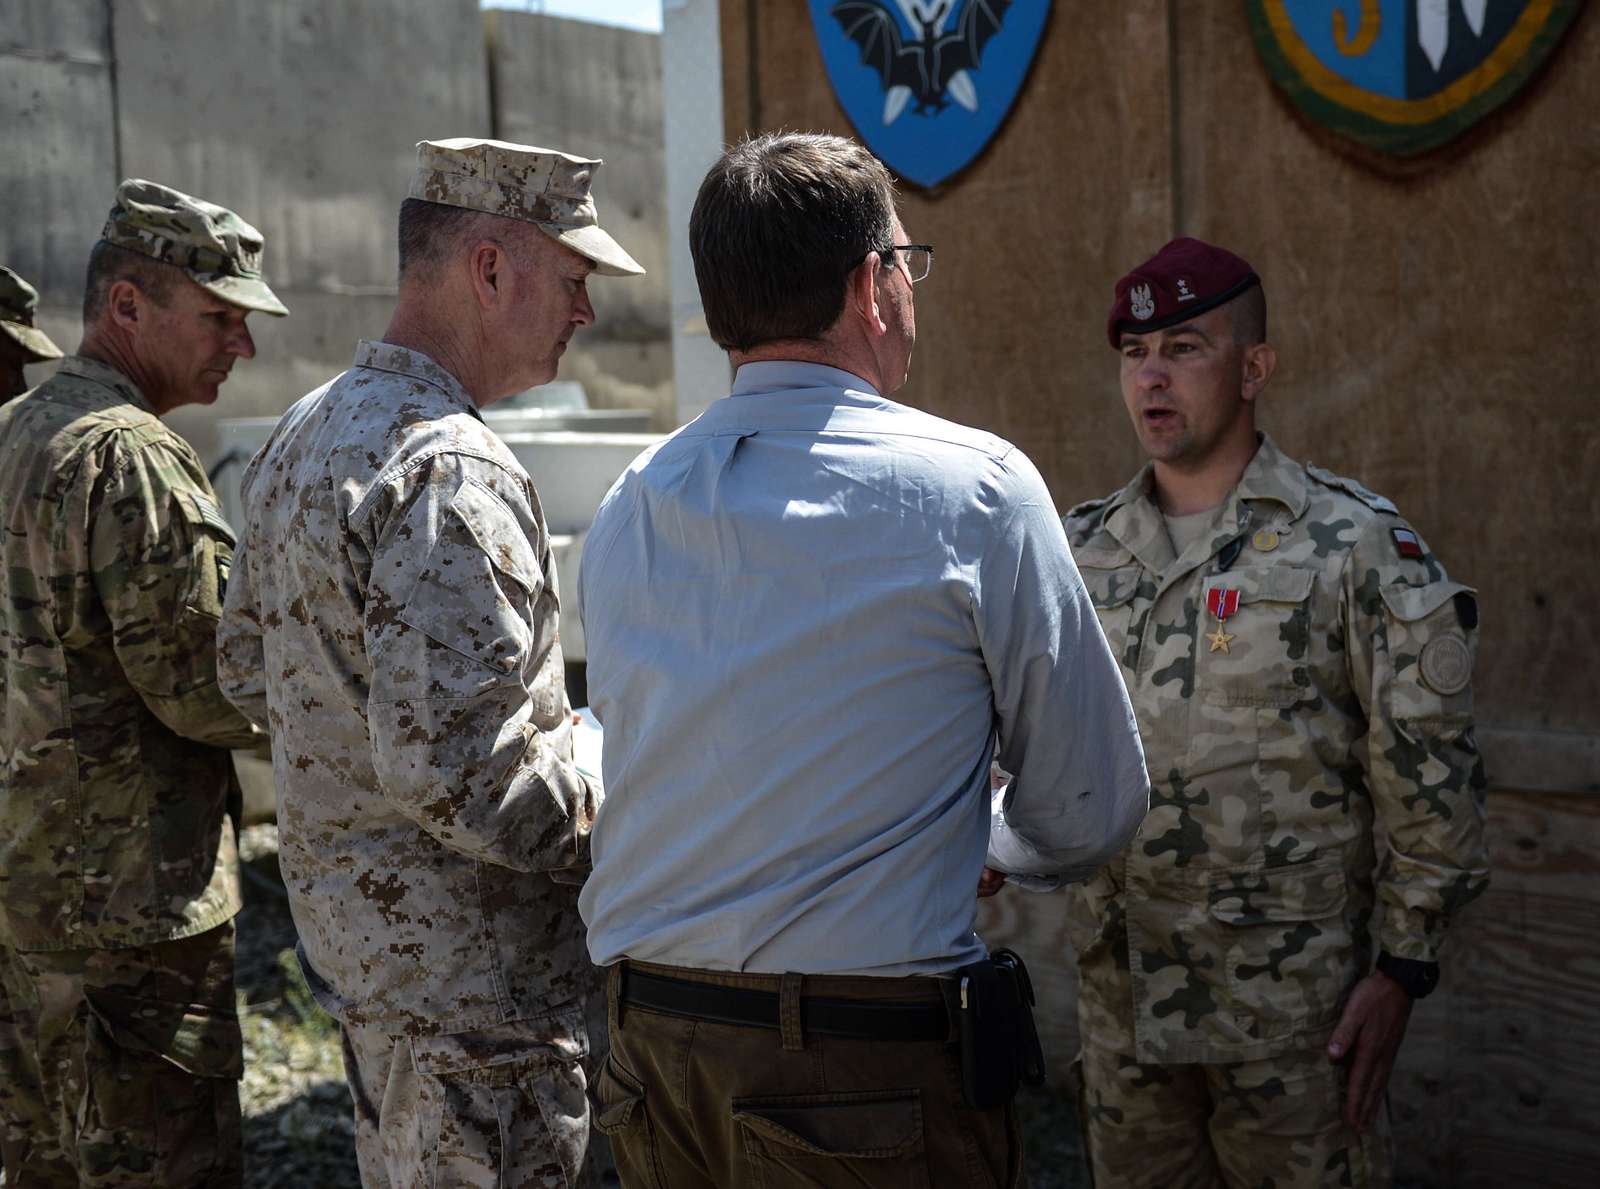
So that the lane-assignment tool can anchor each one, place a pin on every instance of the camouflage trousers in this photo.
(121, 1067)
(1274, 1122)
(503, 1105)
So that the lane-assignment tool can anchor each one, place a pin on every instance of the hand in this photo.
(1369, 1034)
(990, 882)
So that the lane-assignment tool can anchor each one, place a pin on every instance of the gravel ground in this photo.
(298, 1130)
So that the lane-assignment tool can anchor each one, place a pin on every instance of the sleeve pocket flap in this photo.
(498, 533)
(1410, 603)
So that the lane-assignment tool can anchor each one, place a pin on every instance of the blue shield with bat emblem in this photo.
(927, 83)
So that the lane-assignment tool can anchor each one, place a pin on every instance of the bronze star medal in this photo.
(1222, 603)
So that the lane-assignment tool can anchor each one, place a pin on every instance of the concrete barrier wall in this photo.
(302, 116)
(59, 164)
(596, 90)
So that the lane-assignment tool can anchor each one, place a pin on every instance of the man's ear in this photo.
(1260, 361)
(861, 294)
(125, 304)
(487, 265)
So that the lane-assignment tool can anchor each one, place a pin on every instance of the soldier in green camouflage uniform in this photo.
(119, 1045)
(20, 341)
(1300, 666)
(393, 615)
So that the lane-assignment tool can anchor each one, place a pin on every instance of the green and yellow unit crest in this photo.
(1404, 76)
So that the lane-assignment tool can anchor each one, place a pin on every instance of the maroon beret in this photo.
(1185, 278)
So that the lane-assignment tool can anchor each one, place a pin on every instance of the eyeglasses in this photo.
(919, 259)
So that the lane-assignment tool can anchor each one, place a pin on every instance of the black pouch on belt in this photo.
(999, 1043)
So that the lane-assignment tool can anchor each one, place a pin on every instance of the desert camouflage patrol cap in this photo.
(18, 300)
(545, 187)
(218, 249)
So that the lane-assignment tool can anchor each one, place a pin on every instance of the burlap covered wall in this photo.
(1432, 327)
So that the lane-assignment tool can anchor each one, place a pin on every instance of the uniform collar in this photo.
(106, 376)
(403, 361)
(1273, 475)
(1134, 519)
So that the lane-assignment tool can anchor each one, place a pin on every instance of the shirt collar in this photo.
(106, 376)
(403, 361)
(775, 375)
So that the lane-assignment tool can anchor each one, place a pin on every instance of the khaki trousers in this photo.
(121, 1067)
(690, 1104)
(1275, 1121)
(499, 1106)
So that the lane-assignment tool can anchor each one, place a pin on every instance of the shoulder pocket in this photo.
(476, 591)
(1411, 603)
(1431, 649)
(494, 526)
(211, 553)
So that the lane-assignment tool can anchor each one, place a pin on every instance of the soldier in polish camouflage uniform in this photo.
(21, 342)
(119, 1046)
(393, 616)
(1300, 666)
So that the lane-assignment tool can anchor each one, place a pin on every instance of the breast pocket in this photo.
(1253, 661)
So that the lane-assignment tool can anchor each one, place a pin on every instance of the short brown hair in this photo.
(778, 225)
(109, 264)
(1248, 313)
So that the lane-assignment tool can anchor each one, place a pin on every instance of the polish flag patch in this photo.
(1406, 543)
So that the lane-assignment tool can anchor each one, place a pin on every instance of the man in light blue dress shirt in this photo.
(814, 617)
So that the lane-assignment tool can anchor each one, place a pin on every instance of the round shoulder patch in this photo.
(1446, 664)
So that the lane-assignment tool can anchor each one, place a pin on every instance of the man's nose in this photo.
(241, 344)
(1151, 375)
(583, 311)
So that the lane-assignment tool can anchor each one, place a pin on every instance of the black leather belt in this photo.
(853, 1019)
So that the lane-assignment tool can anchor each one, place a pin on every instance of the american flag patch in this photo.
(1406, 543)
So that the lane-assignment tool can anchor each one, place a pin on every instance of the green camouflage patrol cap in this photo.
(18, 300)
(218, 249)
(545, 187)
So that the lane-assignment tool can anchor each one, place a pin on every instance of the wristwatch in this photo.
(1416, 979)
